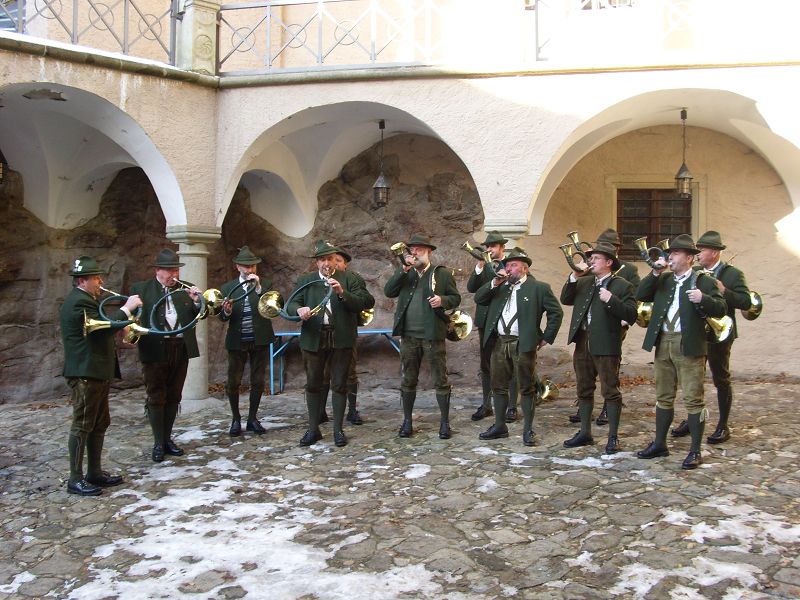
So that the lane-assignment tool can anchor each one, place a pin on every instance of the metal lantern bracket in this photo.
(683, 178)
(380, 191)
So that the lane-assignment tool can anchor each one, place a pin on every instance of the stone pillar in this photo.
(512, 231)
(192, 242)
(197, 37)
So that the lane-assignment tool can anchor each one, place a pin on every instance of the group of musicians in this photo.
(328, 301)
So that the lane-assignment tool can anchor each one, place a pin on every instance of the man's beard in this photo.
(420, 262)
(512, 279)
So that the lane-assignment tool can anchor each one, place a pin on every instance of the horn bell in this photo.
(134, 333)
(214, 300)
(549, 390)
(459, 327)
(644, 311)
(366, 316)
(90, 325)
(756, 306)
(721, 327)
(270, 304)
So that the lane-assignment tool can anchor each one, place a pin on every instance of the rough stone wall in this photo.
(34, 262)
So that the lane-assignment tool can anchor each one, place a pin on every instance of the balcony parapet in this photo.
(314, 39)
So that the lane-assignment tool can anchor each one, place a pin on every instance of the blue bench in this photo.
(278, 348)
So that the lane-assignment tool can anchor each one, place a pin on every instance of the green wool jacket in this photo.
(737, 294)
(344, 310)
(605, 330)
(534, 299)
(151, 347)
(660, 289)
(93, 356)
(262, 327)
(401, 285)
(475, 282)
(627, 271)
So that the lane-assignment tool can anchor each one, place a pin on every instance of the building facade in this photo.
(564, 117)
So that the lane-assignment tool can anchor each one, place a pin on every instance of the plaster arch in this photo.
(742, 118)
(285, 166)
(68, 144)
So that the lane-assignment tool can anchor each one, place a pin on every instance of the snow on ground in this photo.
(197, 542)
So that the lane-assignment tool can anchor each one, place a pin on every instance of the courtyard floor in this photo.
(259, 517)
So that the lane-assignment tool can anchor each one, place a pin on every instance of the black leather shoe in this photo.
(692, 461)
(354, 418)
(171, 449)
(602, 418)
(310, 437)
(529, 438)
(158, 452)
(339, 438)
(653, 451)
(83, 488)
(721, 434)
(323, 418)
(681, 430)
(255, 427)
(494, 433)
(612, 446)
(511, 415)
(405, 429)
(482, 413)
(236, 428)
(576, 418)
(445, 433)
(104, 479)
(579, 439)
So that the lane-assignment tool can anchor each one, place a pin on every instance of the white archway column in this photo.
(193, 242)
(511, 230)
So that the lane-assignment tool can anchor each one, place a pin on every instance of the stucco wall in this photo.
(177, 116)
(742, 197)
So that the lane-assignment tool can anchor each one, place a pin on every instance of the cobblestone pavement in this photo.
(260, 517)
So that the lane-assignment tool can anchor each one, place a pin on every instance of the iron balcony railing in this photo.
(299, 35)
(273, 36)
(306, 35)
(141, 28)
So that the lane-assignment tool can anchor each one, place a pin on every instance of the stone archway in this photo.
(68, 144)
(285, 167)
(732, 114)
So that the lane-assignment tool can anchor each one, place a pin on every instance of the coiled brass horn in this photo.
(652, 254)
(135, 331)
(210, 304)
(281, 311)
(105, 322)
(721, 327)
(569, 251)
(474, 252)
(485, 256)
(575, 248)
(400, 251)
(213, 298)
